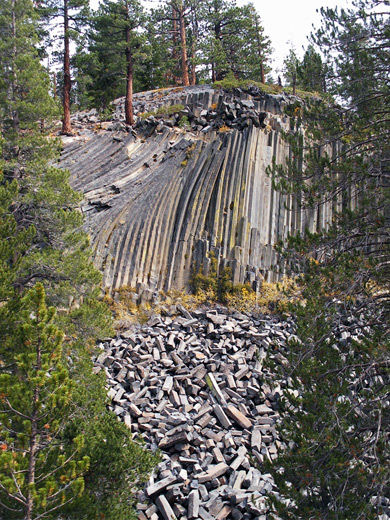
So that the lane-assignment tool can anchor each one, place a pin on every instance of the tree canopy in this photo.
(52, 407)
(336, 418)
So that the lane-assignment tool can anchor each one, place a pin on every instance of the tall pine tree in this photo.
(50, 400)
(70, 16)
(336, 415)
(40, 471)
(115, 43)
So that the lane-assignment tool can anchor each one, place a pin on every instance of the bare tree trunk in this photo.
(193, 66)
(15, 114)
(33, 442)
(183, 40)
(55, 85)
(260, 49)
(262, 72)
(175, 33)
(217, 74)
(129, 115)
(66, 124)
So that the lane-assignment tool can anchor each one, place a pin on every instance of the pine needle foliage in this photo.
(335, 418)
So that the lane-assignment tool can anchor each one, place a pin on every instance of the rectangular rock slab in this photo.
(168, 384)
(159, 486)
(224, 513)
(239, 459)
(165, 509)
(225, 423)
(213, 385)
(238, 417)
(217, 454)
(193, 504)
(167, 442)
(256, 439)
(239, 479)
(204, 514)
(212, 472)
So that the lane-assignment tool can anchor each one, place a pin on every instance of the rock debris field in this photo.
(195, 386)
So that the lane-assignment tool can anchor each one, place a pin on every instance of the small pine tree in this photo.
(40, 471)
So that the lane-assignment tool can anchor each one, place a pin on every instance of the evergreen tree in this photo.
(311, 72)
(290, 68)
(39, 470)
(179, 13)
(71, 16)
(336, 423)
(41, 240)
(235, 41)
(260, 45)
(115, 43)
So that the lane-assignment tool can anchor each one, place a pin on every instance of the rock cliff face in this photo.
(159, 200)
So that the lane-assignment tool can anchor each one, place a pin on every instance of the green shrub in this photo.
(164, 111)
(230, 83)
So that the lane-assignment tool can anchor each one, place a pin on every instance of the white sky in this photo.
(283, 21)
(291, 20)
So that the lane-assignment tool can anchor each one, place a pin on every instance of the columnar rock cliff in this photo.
(160, 199)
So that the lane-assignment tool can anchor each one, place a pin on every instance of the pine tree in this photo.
(234, 41)
(336, 414)
(312, 72)
(290, 68)
(40, 471)
(115, 43)
(261, 47)
(41, 240)
(71, 16)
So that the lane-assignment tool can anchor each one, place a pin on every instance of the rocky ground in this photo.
(204, 108)
(196, 387)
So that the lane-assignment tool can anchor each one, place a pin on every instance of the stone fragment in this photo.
(159, 486)
(193, 504)
(256, 438)
(214, 387)
(239, 459)
(217, 454)
(167, 442)
(239, 417)
(168, 384)
(225, 423)
(213, 472)
(165, 509)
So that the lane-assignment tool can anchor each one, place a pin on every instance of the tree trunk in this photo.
(129, 82)
(217, 73)
(15, 114)
(55, 85)
(66, 124)
(260, 49)
(33, 442)
(193, 67)
(213, 75)
(262, 72)
(183, 40)
(175, 56)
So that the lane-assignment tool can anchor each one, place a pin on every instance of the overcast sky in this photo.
(284, 21)
(291, 20)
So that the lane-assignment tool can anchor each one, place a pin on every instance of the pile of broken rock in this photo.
(195, 387)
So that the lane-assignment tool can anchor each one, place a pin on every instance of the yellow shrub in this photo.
(224, 129)
(271, 297)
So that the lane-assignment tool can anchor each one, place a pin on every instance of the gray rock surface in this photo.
(160, 199)
(213, 443)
